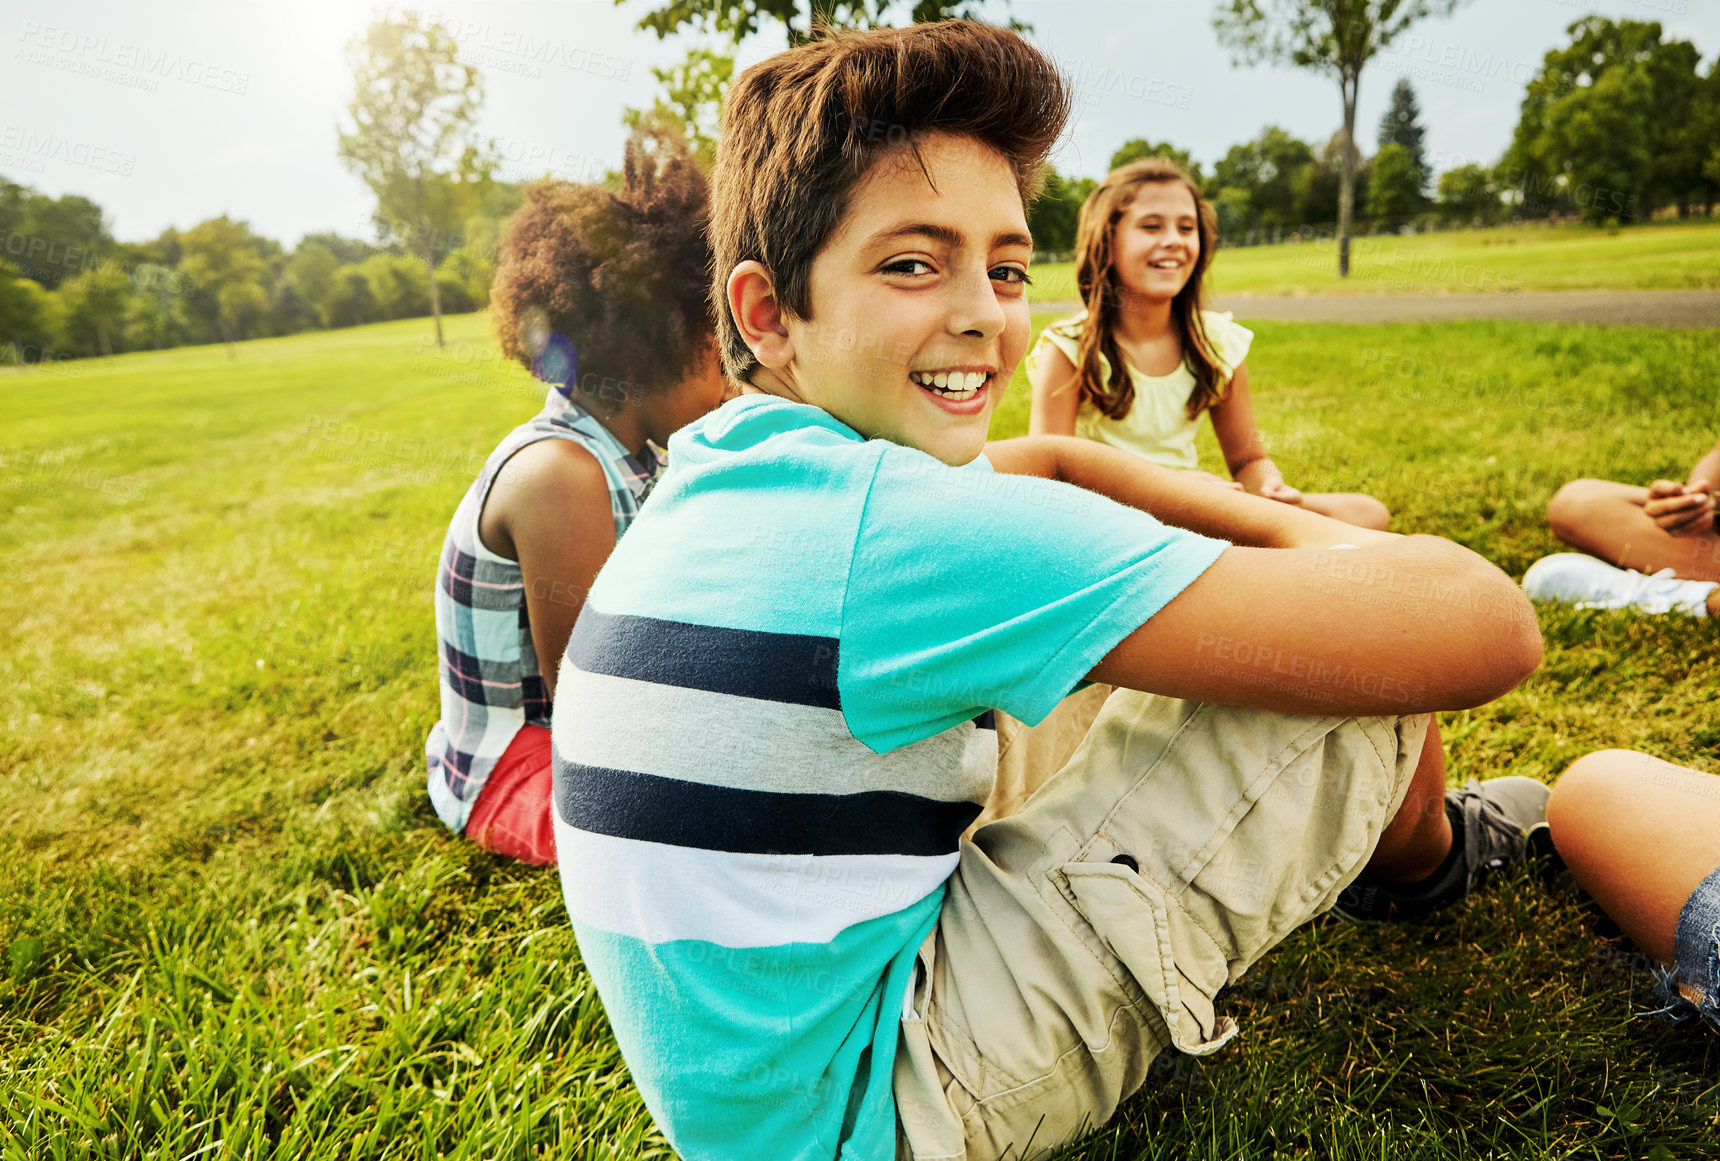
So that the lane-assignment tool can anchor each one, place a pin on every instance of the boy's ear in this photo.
(758, 315)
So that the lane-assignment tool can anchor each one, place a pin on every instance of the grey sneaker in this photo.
(1500, 821)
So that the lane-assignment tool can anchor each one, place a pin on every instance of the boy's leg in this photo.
(1418, 838)
(1351, 507)
(1607, 520)
(1086, 934)
(1027, 756)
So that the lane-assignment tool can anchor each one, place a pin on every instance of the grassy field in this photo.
(234, 928)
(1572, 257)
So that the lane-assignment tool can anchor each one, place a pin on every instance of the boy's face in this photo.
(919, 301)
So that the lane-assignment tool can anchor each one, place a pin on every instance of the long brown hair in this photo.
(1105, 297)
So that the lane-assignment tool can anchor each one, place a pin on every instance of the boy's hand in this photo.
(1280, 491)
(1681, 509)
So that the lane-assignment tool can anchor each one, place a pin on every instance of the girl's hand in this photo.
(1681, 509)
(1280, 491)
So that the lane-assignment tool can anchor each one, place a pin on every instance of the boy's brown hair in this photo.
(1104, 296)
(602, 292)
(801, 129)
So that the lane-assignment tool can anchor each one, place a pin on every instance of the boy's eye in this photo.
(1013, 275)
(906, 266)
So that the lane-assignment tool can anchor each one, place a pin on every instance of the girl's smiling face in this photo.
(1157, 241)
(919, 302)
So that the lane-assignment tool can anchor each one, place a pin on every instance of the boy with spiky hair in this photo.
(775, 716)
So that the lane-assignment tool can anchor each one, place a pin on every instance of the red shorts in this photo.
(512, 814)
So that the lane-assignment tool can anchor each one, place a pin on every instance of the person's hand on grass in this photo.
(1681, 509)
(1280, 491)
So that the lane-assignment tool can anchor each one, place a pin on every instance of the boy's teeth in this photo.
(950, 382)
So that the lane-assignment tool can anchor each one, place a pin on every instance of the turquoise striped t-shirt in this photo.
(772, 724)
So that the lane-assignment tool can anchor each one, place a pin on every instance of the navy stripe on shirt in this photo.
(782, 667)
(649, 808)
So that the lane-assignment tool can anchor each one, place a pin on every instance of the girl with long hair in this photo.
(1140, 365)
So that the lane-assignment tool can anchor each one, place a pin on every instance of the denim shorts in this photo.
(1691, 990)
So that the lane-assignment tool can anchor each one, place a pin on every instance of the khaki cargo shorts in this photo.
(1097, 912)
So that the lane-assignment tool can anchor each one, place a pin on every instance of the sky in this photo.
(175, 111)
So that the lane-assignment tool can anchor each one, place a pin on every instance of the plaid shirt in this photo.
(491, 683)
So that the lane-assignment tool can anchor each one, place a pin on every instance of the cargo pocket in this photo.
(1131, 916)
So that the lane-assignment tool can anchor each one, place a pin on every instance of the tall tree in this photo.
(1402, 126)
(1334, 37)
(735, 20)
(1139, 147)
(414, 138)
(1394, 186)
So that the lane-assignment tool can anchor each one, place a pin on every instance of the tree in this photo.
(692, 99)
(68, 233)
(1468, 193)
(1394, 186)
(1402, 126)
(735, 20)
(1265, 175)
(414, 139)
(1335, 37)
(1052, 218)
(95, 302)
(310, 272)
(226, 263)
(1138, 147)
(1611, 122)
(27, 317)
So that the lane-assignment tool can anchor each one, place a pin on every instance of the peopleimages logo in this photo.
(92, 51)
(44, 147)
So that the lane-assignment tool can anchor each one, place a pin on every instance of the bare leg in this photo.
(1418, 837)
(1350, 507)
(1606, 520)
(1639, 834)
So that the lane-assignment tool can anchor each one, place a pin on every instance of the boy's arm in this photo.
(1402, 625)
(1181, 499)
(549, 509)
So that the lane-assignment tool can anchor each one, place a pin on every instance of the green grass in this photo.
(1570, 257)
(234, 927)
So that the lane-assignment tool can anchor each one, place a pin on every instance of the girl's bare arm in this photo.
(1055, 398)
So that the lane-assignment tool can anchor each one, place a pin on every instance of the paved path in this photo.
(1682, 309)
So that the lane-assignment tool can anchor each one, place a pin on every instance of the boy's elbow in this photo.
(1503, 645)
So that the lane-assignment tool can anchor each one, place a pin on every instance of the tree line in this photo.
(68, 289)
(1618, 125)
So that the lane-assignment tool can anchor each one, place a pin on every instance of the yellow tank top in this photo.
(1157, 427)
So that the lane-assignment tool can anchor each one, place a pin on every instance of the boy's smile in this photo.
(919, 303)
